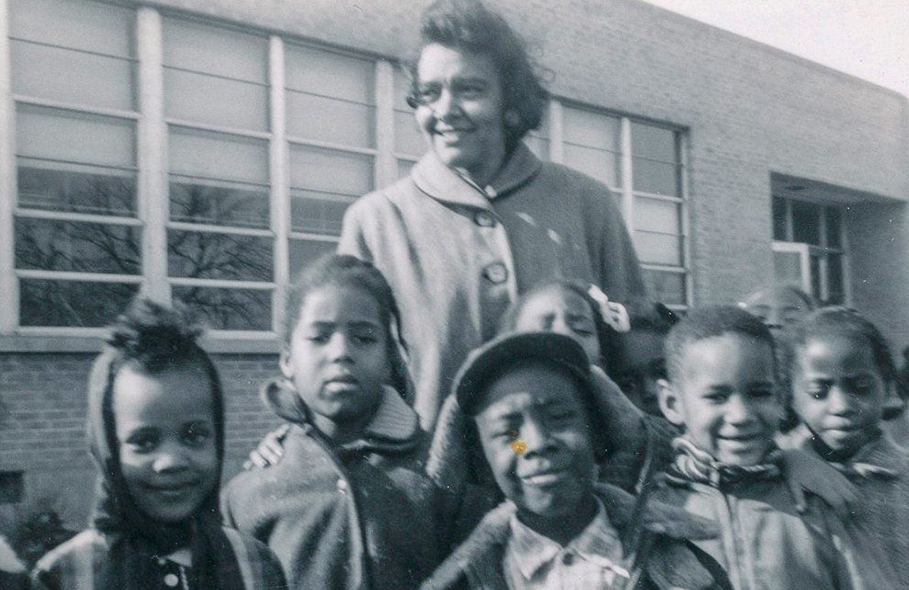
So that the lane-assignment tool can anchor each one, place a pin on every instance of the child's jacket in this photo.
(764, 543)
(84, 563)
(660, 558)
(879, 528)
(362, 515)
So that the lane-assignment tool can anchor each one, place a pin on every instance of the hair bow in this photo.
(614, 314)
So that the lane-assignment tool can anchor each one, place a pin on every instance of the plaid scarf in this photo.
(693, 464)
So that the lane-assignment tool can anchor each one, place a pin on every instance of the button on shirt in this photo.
(592, 560)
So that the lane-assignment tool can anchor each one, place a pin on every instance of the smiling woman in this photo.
(480, 219)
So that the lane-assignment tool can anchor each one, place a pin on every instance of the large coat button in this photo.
(484, 219)
(496, 273)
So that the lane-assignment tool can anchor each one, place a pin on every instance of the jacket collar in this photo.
(449, 186)
(668, 566)
(879, 458)
(394, 426)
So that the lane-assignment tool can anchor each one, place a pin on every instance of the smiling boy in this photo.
(722, 391)
(531, 400)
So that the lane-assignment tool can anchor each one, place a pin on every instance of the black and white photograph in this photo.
(454, 294)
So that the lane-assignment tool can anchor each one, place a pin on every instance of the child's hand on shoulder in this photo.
(269, 451)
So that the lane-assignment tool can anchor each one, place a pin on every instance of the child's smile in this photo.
(166, 433)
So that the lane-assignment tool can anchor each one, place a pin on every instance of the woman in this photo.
(480, 219)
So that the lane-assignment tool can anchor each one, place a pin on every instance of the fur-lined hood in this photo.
(669, 561)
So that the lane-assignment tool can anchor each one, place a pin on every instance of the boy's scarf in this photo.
(135, 540)
(694, 464)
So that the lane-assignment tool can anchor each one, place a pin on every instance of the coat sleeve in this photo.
(617, 261)
(353, 237)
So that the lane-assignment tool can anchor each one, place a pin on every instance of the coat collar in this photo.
(669, 565)
(449, 186)
(394, 426)
(879, 458)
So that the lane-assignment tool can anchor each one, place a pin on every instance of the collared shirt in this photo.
(592, 560)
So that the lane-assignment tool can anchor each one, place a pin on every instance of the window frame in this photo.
(152, 128)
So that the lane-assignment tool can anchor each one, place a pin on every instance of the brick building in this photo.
(204, 150)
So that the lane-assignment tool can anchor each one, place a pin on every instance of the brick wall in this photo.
(42, 431)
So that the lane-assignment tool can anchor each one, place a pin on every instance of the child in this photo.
(781, 307)
(841, 371)
(156, 427)
(535, 426)
(348, 506)
(722, 391)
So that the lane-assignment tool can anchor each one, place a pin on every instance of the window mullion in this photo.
(153, 206)
(386, 169)
(9, 285)
(556, 133)
(627, 184)
(278, 161)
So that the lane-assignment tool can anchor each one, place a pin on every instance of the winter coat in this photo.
(663, 557)
(456, 256)
(879, 522)
(764, 543)
(79, 564)
(361, 515)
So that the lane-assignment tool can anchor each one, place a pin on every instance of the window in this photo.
(77, 250)
(809, 248)
(220, 256)
(208, 163)
(646, 182)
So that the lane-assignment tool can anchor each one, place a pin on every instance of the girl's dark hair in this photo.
(349, 271)
(153, 339)
(849, 323)
(605, 334)
(468, 25)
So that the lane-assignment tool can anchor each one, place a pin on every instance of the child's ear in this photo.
(670, 404)
(286, 364)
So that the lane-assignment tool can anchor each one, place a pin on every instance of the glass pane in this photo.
(654, 143)
(787, 268)
(658, 248)
(317, 212)
(779, 219)
(76, 188)
(402, 89)
(836, 291)
(815, 260)
(666, 287)
(657, 178)
(329, 74)
(228, 309)
(71, 76)
(90, 26)
(213, 50)
(538, 145)
(330, 171)
(602, 165)
(330, 120)
(77, 247)
(408, 138)
(215, 155)
(657, 216)
(208, 255)
(215, 101)
(218, 203)
(591, 129)
(72, 303)
(834, 227)
(806, 223)
(304, 252)
(404, 167)
(75, 137)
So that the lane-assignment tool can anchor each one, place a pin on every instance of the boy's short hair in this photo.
(712, 322)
